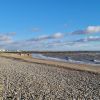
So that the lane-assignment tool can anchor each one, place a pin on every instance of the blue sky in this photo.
(50, 24)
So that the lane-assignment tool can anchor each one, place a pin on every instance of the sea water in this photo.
(66, 59)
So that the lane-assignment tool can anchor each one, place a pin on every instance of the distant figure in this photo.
(67, 58)
(92, 60)
(20, 54)
(28, 54)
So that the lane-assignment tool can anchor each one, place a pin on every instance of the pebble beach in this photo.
(31, 81)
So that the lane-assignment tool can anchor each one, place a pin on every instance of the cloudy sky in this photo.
(50, 24)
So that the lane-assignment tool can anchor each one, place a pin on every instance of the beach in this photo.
(24, 80)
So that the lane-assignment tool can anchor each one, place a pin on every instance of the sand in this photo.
(83, 67)
(39, 81)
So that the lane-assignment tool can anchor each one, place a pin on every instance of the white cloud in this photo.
(5, 39)
(58, 35)
(8, 33)
(88, 30)
(48, 37)
(37, 42)
(35, 29)
(89, 39)
(93, 29)
(93, 38)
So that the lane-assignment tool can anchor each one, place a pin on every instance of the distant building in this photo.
(2, 50)
(18, 50)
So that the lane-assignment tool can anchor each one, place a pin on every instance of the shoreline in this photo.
(59, 64)
(68, 60)
(37, 80)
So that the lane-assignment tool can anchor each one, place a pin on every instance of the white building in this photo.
(2, 50)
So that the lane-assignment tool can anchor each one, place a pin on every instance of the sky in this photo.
(57, 25)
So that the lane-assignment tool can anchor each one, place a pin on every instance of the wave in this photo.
(66, 59)
(46, 57)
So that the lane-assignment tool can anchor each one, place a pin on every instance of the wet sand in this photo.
(75, 66)
(39, 81)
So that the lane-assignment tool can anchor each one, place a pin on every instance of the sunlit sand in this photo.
(33, 79)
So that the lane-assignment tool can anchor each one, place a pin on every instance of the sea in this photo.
(67, 59)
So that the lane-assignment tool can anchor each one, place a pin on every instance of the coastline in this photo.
(43, 80)
(59, 64)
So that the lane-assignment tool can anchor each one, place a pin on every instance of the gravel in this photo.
(30, 81)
